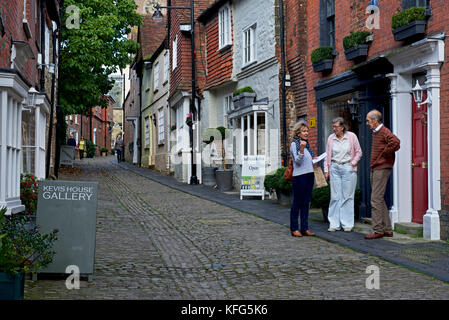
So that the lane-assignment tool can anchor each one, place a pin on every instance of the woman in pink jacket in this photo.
(343, 153)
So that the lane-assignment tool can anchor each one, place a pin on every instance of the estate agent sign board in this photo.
(70, 207)
(253, 173)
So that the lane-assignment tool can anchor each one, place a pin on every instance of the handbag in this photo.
(288, 174)
(320, 181)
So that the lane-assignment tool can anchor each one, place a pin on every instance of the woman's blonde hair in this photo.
(298, 127)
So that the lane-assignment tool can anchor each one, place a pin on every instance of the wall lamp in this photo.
(31, 99)
(418, 93)
(354, 109)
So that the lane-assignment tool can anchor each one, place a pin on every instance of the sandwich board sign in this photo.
(70, 207)
(67, 155)
(253, 174)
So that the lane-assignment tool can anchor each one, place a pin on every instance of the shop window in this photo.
(327, 23)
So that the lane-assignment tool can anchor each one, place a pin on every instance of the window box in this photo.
(323, 65)
(243, 97)
(410, 31)
(409, 24)
(323, 59)
(358, 52)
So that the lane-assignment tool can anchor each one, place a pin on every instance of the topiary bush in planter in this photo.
(409, 23)
(91, 149)
(355, 45)
(322, 59)
(275, 182)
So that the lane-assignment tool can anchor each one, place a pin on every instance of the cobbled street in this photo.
(154, 243)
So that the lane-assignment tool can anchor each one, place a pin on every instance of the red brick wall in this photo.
(350, 16)
(12, 15)
(219, 63)
(180, 78)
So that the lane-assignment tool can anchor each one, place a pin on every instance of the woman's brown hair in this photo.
(298, 127)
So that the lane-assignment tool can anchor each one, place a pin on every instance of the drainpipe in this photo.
(283, 102)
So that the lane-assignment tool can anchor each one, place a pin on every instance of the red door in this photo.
(419, 161)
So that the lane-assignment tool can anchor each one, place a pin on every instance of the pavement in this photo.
(159, 239)
(428, 257)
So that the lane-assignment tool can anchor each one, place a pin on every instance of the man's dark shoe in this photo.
(388, 234)
(374, 235)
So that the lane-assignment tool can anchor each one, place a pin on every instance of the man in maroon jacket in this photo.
(384, 145)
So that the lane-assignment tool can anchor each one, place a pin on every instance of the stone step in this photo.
(411, 228)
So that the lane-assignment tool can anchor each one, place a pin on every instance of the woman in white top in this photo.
(343, 153)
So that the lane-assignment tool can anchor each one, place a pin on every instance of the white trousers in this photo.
(343, 181)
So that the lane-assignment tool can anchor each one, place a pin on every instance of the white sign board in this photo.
(253, 174)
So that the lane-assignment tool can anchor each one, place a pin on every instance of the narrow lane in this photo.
(154, 242)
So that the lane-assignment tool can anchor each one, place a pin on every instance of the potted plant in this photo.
(29, 186)
(91, 149)
(104, 151)
(276, 182)
(321, 198)
(243, 97)
(223, 176)
(409, 24)
(173, 127)
(189, 119)
(322, 59)
(22, 250)
(355, 45)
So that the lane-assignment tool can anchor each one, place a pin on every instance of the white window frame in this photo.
(227, 107)
(249, 45)
(166, 67)
(224, 27)
(156, 76)
(147, 131)
(175, 53)
(161, 125)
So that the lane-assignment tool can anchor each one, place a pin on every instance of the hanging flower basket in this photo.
(189, 119)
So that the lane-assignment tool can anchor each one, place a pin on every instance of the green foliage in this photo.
(275, 181)
(321, 53)
(407, 16)
(355, 39)
(29, 186)
(245, 89)
(91, 149)
(103, 149)
(23, 249)
(90, 53)
(322, 196)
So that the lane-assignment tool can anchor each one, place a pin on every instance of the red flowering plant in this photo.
(29, 186)
(189, 119)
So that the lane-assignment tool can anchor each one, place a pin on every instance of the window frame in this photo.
(156, 71)
(147, 132)
(406, 4)
(161, 125)
(175, 53)
(251, 46)
(166, 67)
(224, 27)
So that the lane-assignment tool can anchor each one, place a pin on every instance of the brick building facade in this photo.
(384, 80)
(27, 62)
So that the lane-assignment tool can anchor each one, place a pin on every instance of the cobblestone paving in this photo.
(157, 243)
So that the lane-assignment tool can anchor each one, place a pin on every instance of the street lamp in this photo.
(158, 17)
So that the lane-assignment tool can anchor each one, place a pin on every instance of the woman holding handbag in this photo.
(343, 153)
(302, 181)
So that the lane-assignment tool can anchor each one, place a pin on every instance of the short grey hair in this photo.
(375, 114)
(341, 122)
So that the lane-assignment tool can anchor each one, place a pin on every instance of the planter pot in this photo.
(104, 154)
(208, 174)
(410, 31)
(224, 179)
(323, 65)
(357, 52)
(247, 98)
(284, 199)
(11, 287)
(325, 212)
(237, 101)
